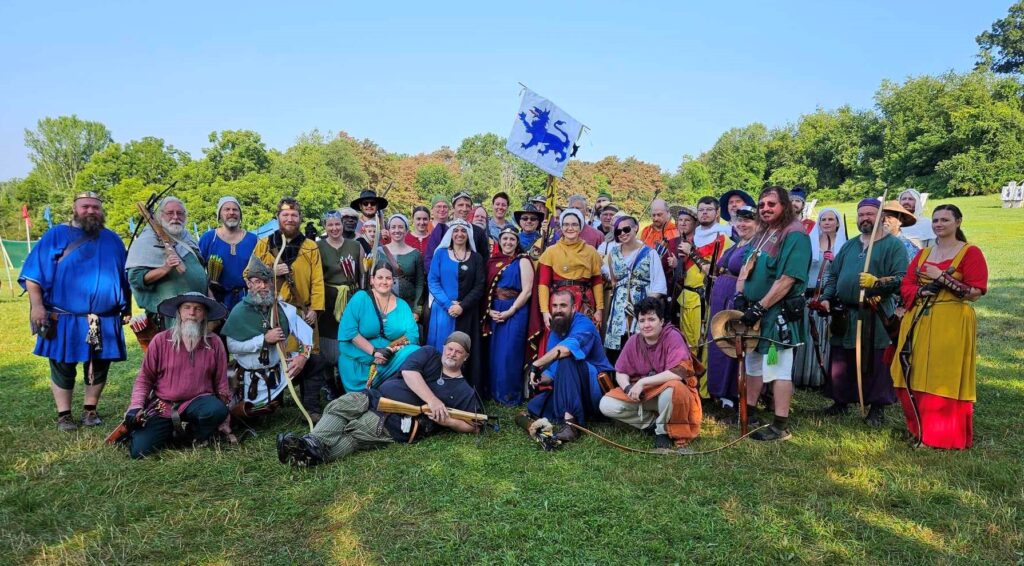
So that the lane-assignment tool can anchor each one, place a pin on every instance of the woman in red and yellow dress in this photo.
(573, 265)
(935, 374)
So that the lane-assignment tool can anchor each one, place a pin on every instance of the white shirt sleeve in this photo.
(296, 326)
(658, 284)
(236, 347)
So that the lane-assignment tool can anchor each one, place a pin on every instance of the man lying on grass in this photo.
(353, 422)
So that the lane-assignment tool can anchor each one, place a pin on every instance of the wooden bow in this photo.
(861, 306)
(274, 323)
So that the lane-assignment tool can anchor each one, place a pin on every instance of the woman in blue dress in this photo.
(510, 284)
(457, 279)
(376, 334)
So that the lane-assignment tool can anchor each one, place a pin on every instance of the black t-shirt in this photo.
(454, 393)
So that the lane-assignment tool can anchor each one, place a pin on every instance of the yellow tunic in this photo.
(308, 274)
(576, 261)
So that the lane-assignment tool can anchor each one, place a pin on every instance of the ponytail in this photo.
(960, 235)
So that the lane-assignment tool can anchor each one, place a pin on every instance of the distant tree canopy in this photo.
(953, 134)
(1002, 47)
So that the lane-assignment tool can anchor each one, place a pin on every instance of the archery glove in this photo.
(535, 375)
(752, 315)
(740, 303)
(867, 280)
(385, 353)
(131, 419)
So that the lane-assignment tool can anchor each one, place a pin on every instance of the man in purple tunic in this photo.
(183, 379)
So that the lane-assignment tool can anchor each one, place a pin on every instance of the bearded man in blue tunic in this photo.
(574, 360)
(79, 296)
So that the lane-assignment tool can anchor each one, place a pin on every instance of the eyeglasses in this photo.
(623, 230)
(767, 204)
(529, 219)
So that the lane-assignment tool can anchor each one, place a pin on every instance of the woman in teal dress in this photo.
(377, 333)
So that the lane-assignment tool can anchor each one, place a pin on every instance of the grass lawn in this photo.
(838, 492)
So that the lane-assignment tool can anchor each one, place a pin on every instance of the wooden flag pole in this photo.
(8, 264)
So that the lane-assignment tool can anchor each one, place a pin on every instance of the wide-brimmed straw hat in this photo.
(214, 310)
(726, 325)
(906, 218)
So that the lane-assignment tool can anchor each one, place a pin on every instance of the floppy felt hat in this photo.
(529, 209)
(369, 194)
(723, 201)
(214, 310)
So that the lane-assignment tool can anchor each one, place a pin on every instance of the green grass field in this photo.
(838, 492)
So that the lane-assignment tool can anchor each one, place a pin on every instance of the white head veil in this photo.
(446, 241)
(922, 230)
(815, 234)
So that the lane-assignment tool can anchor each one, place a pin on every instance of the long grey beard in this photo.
(188, 333)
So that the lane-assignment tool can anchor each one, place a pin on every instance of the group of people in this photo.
(584, 314)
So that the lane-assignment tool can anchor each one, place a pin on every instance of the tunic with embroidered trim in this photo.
(88, 280)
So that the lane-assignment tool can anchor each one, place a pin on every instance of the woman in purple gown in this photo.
(721, 368)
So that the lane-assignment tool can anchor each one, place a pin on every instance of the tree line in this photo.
(953, 134)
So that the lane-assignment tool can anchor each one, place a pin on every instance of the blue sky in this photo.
(653, 80)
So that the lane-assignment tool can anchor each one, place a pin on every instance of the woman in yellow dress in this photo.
(934, 373)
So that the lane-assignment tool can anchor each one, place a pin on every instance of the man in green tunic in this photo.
(153, 273)
(841, 294)
(771, 291)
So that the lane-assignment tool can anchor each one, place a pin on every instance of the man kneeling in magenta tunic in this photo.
(657, 388)
(183, 379)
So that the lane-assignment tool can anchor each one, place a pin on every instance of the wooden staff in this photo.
(741, 375)
(386, 405)
(161, 235)
(861, 305)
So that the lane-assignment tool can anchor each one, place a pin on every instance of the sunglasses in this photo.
(529, 219)
(767, 204)
(623, 230)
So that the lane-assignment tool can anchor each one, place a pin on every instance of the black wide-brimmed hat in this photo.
(723, 202)
(369, 194)
(529, 209)
(214, 310)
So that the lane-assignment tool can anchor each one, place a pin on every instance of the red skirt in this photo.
(947, 423)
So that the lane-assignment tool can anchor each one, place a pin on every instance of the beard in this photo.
(173, 230)
(262, 299)
(560, 324)
(450, 365)
(188, 333)
(232, 223)
(865, 227)
(91, 223)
